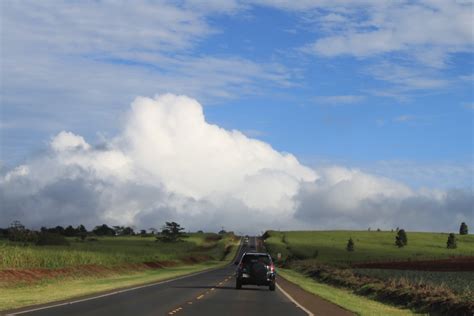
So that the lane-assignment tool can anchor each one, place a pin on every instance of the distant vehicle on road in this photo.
(255, 269)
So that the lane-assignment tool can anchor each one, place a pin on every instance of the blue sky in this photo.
(318, 114)
(254, 68)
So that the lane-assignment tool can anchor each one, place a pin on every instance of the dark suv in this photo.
(255, 269)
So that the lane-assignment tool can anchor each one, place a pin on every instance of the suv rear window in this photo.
(250, 259)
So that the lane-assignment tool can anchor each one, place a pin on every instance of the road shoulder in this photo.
(313, 303)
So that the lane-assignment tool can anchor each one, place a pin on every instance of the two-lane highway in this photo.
(207, 293)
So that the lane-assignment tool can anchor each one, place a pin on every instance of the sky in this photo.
(209, 112)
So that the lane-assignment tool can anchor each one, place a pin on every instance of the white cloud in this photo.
(383, 27)
(168, 148)
(419, 38)
(168, 163)
(76, 66)
(67, 141)
(405, 78)
(339, 99)
(469, 106)
(404, 118)
(343, 199)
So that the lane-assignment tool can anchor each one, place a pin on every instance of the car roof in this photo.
(256, 254)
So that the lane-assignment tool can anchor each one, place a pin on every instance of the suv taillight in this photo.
(272, 268)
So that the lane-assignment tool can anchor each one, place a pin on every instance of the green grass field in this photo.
(320, 263)
(108, 251)
(330, 246)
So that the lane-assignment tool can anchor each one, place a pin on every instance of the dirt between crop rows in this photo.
(14, 277)
(445, 265)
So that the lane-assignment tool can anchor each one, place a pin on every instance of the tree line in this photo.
(17, 232)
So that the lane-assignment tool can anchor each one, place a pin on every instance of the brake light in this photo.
(241, 265)
(272, 268)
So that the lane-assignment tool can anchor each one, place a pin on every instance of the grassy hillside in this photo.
(320, 260)
(330, 246)
(109, 251)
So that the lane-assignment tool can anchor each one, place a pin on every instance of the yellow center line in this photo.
(174, 311)
(200, 296)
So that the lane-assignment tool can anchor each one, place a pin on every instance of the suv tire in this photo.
(272, 286)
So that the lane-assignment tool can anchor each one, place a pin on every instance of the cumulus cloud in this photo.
(170, 158)
(168, 163)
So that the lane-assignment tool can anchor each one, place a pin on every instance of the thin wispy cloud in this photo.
(404, 118)
(339, 99)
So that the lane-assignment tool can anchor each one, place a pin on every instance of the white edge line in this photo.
(112, 293)
(294, 301)
(120, 291)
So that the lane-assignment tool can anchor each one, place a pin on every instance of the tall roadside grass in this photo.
(109, 251)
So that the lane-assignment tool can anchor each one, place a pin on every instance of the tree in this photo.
(103, 230)
(123, 231)
(350, 245)
(152, 230)
(451, 243)
(463, 229)
(118, 230)
(18, 233)
(81, 229)
(171, 232)
(70, 231)
(81, 232)
(128, 231)
(401, 239)
(58, 230)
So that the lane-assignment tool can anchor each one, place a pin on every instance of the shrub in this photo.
(463, 229)
(350, 245)
(451, 243)
(401, 239)
(3, 232)
(51, 239)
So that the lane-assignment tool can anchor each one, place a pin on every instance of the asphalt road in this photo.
(208, 293)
